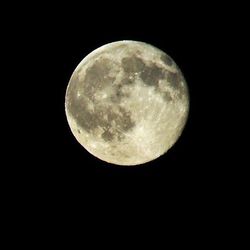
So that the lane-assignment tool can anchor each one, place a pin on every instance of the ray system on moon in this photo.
(127, 103)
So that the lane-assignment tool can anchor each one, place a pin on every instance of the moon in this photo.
(127, 103)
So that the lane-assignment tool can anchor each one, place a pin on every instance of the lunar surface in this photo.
(127, 103)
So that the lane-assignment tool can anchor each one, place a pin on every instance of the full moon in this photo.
(127, 103)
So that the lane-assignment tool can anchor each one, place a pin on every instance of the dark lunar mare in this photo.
(132, 64)
(175, 80)
(151, 74)
(96, 79)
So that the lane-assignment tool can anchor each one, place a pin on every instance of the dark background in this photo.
(59, 181)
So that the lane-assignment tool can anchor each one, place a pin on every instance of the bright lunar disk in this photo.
(127, 103)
